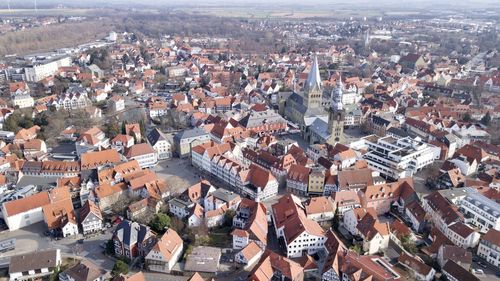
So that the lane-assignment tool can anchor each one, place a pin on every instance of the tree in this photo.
(408, 244)
(120, 268)
(357, 248)
(486, 120)
(110, 247)
(112, 129)
(160, 222)
(467, 117)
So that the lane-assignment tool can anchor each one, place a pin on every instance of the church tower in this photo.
(336, 115)
(313, 92)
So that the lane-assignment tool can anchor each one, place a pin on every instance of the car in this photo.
(482, 264)
(478, 271)
(80, 241)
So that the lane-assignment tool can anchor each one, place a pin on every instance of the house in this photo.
(34, 265)
(134, 130)
(59, 215)
(250, 222)
(480, 211)
(415, 215)
(420, 270)
(23, 101)
(99, 159)
(300, 234)
(121, 142)
(165, 253)
(258, 183)
(320, 209)
(461, 256)
(84, 271)
(374, 233)
(90, 140)
(106, 194)
(462, 235)
(143, 207)
(139, 276)
(24, 135)
(455, 272)
(297, 180)
(143, 153)
(489, 247)
(366, 267)
(132, 239)
(184, 141)
(34, 148)
(25, 211)
(116, 103)
(203, 259)
(160, 144)
(272, 265)
(249, 255)
(91, 218)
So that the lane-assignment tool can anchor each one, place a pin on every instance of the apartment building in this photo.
(489, 247)
(480, 211)
(397, 158)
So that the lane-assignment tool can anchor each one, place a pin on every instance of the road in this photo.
(31, 238)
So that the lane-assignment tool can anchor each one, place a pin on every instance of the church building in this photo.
(317, 124)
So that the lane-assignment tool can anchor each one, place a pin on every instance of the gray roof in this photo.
(130, 233)
(84, 271)
(320, 127)
(33, 260)
(191, 133)
(224, 195)
(313, 81)
(257, 118)
(155, 135)
(203, 259)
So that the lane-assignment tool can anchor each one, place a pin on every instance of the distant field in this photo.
(281, 12)
(53, 36)
(46, 12)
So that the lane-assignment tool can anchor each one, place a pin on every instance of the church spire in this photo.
(337, 95)
(313, 79)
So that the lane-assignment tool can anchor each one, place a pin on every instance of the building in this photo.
(459, 255)
(132, 239)
(258, 183)
(160, 144)
(308, 111)
(397, 158)
(34, 265)
(249, 255)
(273, 266)
(250, 224)
(40, 67)
(203, 259)
(91, 140)
(91, 218)
(165, 253)
(75, 98)
(420, 270)
(462, 235)
(144, 153)
(23, 101)
(26, 211)
(184, 141)
(480, 211)
(84, 271)
(301, 235)
(489, 247)
(116, 103)
(455, 272)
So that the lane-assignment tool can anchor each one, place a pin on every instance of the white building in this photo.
(23, 101)
(489, 247)
(143, 153)
(397, 158)
(26, 211)
(165, 253)
(42, 67)
(301, 235)
(34, 265)
(76, 97)
(462, 235)
(160, 144)
(480, 211)
(90, 218)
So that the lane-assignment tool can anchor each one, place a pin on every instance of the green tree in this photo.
(486, 120)
(160, 222)
(357, 248)
(467, 117)
(408, 244)
(120, 268)
(112, 129)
